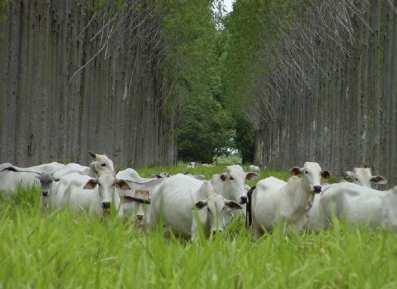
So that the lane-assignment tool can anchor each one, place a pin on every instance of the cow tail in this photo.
(248, 207)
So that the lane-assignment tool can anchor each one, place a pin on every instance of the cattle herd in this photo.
(183, 203)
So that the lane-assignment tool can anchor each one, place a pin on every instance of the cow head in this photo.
(311, 174)
(364, 177)
(137, 199)
(101, 164)
(105, 185)
(231, 184)
(46, 181)
(214, 208)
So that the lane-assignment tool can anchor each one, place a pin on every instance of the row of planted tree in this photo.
(322, 78)
(149, 80)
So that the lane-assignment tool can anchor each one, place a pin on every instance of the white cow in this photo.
(274, 201)
(90, 188)
(231, 184)
(183, 203)
(359, 205)
(361, 176)
(81, 192)
(13, 177)
(11, 180)
(135, 194)
(101, 164)
(254, 168)
(364, 177)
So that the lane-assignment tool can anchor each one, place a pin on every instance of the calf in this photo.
(185, 203)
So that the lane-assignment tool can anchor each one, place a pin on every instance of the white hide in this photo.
(254, 168)
(359, 205)
(72, 191)
(182, 202)
(275, 201)
(231, 184)
(10, 181)
(136, 187)
(364, 177)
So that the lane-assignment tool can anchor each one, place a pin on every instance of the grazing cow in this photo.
(101, 164)
(364, 177)
(231, 184)
(205, 165)
(48, 168)
(254, 168)
(11, 179)
(199, 177)
(82, 192)
(274, 201)
(192, 165)
(89, 188)
(361, 176)
(357, 204)
(184, 203)
(135, 193)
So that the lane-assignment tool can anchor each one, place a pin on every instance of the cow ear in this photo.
(200, 204)
(91, 184)
(251, 176)
(233, 205)
(223, 177)
(325, 174)
(122, 185)
(93, 155)
(380, 180)
(142, 194)
(295, 171)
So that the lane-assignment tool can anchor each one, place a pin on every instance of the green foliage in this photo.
(205, 129)
(3, 9)
(65, 250)
(245, 138)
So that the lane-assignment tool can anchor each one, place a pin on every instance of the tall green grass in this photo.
(65, 250)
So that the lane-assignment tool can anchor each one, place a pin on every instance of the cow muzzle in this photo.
(317, 189)
(106, 205)
(44, 194)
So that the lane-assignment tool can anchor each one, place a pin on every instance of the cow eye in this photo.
(103, 165)
(306, 172)
(231, 178)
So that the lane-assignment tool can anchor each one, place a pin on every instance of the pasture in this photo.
(65, 250)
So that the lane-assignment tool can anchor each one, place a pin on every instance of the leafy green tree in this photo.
(204, 128)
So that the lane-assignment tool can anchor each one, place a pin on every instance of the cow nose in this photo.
(106, 205)
(317, 189)
(243, 200)
(44, 194)
(139, 217)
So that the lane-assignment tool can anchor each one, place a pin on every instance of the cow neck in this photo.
(299, 197)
